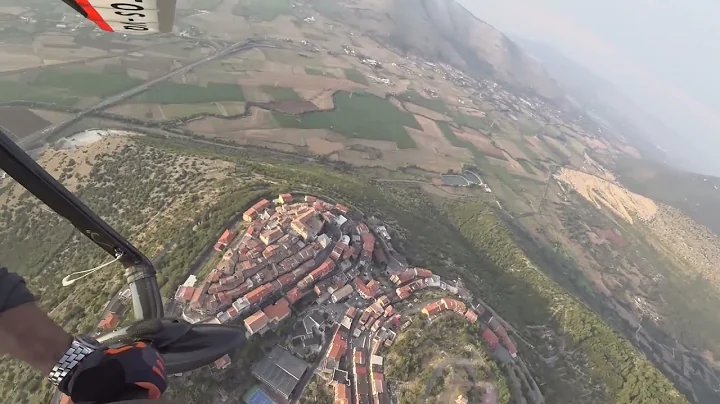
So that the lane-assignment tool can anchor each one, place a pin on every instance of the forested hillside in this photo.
(172, 205)
(529, 297)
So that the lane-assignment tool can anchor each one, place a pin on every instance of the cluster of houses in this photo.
(493, 334)
(283, 254)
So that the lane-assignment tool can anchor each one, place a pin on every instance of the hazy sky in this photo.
(664, 54)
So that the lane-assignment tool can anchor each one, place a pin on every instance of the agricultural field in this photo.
(174, 93)
(429, 103)
(359, 116)
(19, 122)
(356, 76)
(281, 93)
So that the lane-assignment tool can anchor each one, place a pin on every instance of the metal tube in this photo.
(139, 270)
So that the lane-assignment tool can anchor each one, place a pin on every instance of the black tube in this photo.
(139, 270)
(17, 164)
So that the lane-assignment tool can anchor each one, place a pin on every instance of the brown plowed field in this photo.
(20, 121)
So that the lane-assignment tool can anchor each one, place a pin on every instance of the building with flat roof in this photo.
(280, 371)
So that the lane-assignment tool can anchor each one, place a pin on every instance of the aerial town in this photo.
(338, 276)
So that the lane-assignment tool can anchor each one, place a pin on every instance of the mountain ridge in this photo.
(446, 31)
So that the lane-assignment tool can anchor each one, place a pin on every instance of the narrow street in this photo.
(307, 377)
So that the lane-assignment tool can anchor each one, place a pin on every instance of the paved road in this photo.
(107, 102)
(305, 380)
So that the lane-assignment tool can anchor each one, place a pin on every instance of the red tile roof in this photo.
(490, 337)
(259, 293)
(109, 322)
(197, 297)
(223, 362)
(471, 316)
(278, 311)
(342, 394)
(432, 309)
(374, 286)
(261, 205)
(226, 237)
(294, 295)
(342, 208)
(338, 347)
(256, 322)
(184, 294)
(286, 198)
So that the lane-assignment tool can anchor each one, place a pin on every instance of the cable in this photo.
(67, 282)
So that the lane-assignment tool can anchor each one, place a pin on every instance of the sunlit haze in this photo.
(663, 54)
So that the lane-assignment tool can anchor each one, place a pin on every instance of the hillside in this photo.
(606, 195)
(696, 195)
(481, 253)
(445, 31)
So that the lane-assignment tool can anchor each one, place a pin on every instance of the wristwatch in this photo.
(81, 347)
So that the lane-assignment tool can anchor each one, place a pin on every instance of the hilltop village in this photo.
(337, 276)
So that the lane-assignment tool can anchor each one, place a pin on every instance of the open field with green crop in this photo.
(356, 76)
(174, 93)
(477, 123)
(359, 116)
(432, 104)
(86, 83)
(281, 93)
(12, 91)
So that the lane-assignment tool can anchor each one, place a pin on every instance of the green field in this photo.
(87, 83)
(266, 10)
(315, 72)
(480, 124)
(174, 93)
(360, 116)
(11, 91)
(356, 76)
(526, 166)
(415, 98)
(281, 93)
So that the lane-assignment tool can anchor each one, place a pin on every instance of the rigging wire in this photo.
(67, 281)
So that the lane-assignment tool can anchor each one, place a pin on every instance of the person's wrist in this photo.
(81, 348)
(58, 349)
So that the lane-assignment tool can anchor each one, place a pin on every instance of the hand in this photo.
(111, 374)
